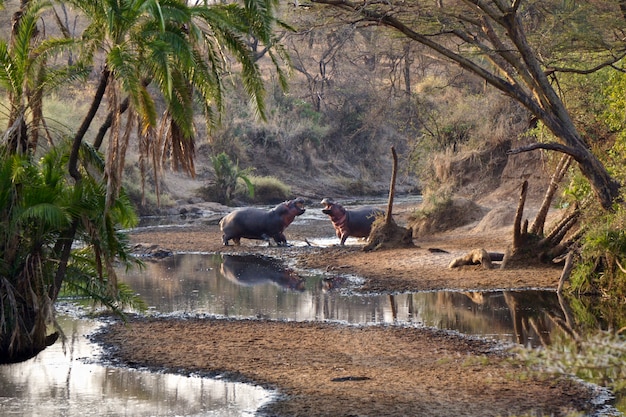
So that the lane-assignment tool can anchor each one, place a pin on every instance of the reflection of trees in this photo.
(192, 282)
(329, 303)
(592, 312)
(531, 316)
(574, 316)
(530, 312)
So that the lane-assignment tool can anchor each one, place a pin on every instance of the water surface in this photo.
(69, 381)
(242, 286)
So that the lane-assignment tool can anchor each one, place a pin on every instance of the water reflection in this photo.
(68, 383)
(250, 286)
(252, 270)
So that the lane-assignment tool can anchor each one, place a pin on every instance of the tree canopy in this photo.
(159, 62)
(520, 48)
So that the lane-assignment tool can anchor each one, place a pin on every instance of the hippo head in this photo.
(331, 208)
(296, 206)
(288, 210)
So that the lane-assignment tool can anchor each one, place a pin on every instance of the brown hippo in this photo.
(256, 223)
(356, 223)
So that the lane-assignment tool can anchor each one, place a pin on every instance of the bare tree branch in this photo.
(495, 46)
(551, 146)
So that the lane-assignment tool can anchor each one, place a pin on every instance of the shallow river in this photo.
(69, 379)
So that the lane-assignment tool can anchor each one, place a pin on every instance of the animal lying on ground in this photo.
(259, 224)
(356, 222)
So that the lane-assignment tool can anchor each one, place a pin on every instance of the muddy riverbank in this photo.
(328, 369)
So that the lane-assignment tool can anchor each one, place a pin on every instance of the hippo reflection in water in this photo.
(250, 270)
(256, 223)
(354, 222)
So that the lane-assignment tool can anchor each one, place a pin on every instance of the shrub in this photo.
(267, 190)
(227, 175)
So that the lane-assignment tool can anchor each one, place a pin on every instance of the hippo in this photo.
(356, 223)
(256, 223)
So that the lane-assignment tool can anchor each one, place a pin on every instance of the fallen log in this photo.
(477, 257)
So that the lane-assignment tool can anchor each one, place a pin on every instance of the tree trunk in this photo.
(385, 232)
(530, 247)
(507, 61)
(82, 130)
(392, 187)
(540, 220)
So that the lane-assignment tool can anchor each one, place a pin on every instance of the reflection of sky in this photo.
(55, 383)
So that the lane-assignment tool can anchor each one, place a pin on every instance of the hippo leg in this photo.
(224, 240)
(267, 238)
(237, 241)
(280, 239)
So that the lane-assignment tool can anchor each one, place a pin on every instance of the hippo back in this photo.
(360, 220)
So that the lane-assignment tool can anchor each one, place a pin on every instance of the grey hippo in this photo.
(251, 270)
(355, 222)
(260, 224)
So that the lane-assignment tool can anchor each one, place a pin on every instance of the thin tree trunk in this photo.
(97, 143)
(540, 220)
(392, 187)
(517, 225)
(82, 130)
(65, 245)
(567, 269)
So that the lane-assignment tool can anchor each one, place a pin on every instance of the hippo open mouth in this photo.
(328, 204)
(356, 222)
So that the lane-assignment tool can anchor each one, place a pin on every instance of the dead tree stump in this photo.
(386, 234)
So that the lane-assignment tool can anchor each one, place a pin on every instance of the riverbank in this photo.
(323, 369)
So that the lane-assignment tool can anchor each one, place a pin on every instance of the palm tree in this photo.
(162, 60)
(26, 76)
(39, 204)
(227, 175)
(167, 50)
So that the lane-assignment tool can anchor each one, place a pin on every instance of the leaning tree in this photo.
(522, 48)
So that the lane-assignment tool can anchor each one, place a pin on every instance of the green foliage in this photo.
(42, 212)
(615, 117)
(84, 283)
(601, 267)
(578, 189)
(598, 358)
(227, 175)
(267, 190)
